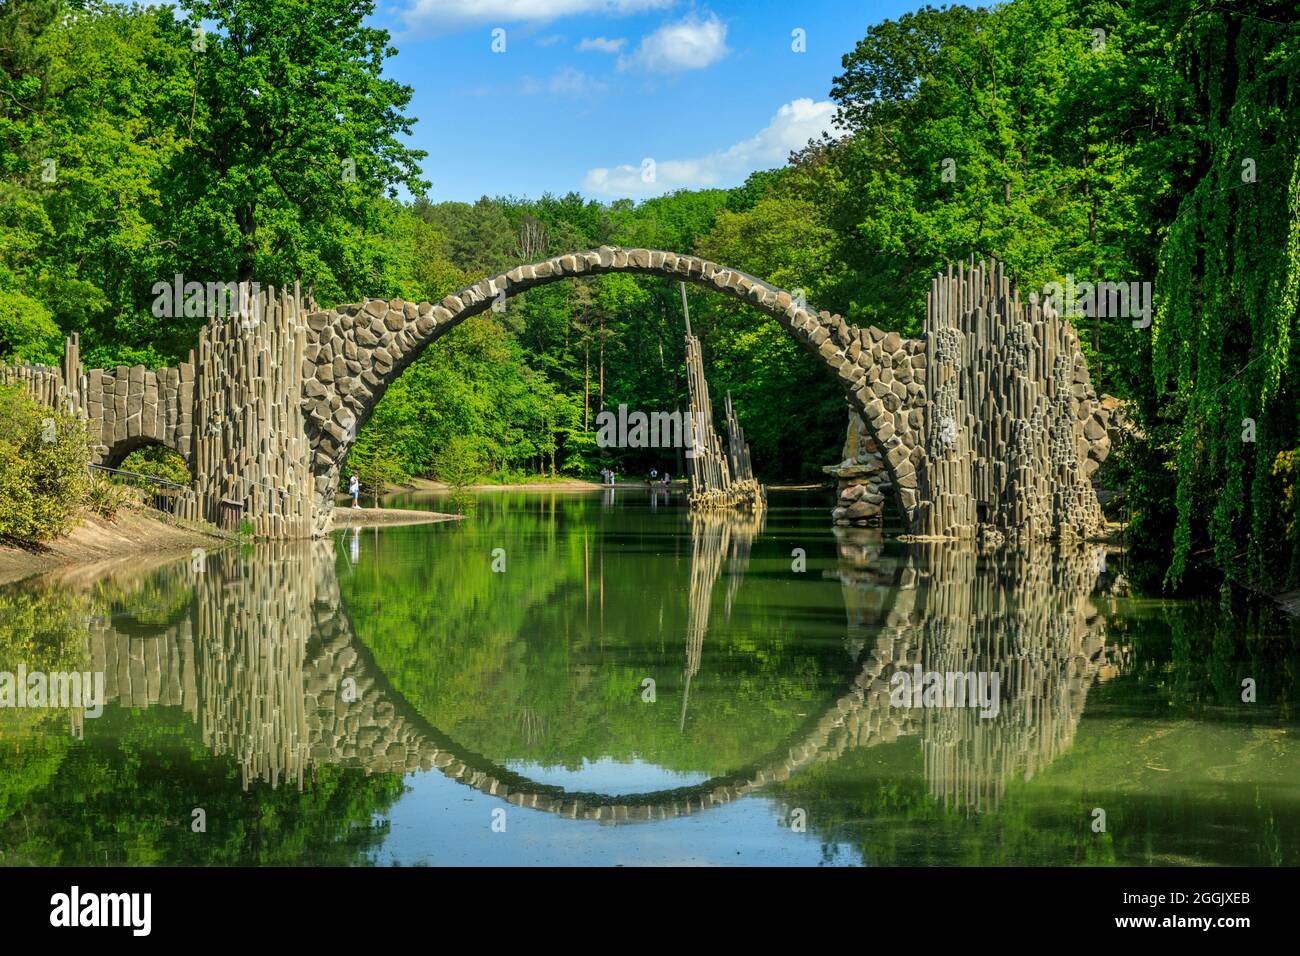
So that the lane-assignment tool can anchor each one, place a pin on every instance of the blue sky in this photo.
(586, 91)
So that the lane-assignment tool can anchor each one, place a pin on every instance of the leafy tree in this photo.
(377, 471)
(294, 130)
(27, 330)
(457, 462)
(1223, 360)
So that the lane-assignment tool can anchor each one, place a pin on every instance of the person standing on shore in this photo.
(354, 489)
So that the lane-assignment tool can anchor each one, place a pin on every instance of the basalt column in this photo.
(1007, 450)
(249, 443)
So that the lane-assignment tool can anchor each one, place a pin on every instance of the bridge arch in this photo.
(356, 351)
(113, 455)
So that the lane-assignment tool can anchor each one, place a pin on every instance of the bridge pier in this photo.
(863, 488)
(250, 445)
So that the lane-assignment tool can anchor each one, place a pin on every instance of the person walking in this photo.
(354, 489)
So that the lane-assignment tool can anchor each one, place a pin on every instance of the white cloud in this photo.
(452, 14)
(601, 44)
(689, 44)
(551, 40)
(790, 129)
(565, 82)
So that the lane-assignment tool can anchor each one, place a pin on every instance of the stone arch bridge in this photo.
(986, 423)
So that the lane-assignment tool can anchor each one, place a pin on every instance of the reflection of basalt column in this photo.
(254, 622)
(235, 660)
(714, 535)
(1024, 614)
(144, 665)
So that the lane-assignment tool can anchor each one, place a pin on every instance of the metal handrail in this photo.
(135, 474)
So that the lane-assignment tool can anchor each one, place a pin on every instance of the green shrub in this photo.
(43, 459)
(28, 333)
(378, 472)
(106, 497)
(1286, 466)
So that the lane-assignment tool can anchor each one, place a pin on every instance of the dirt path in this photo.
(98, 541)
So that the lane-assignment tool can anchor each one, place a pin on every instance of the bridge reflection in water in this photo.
(265, 660)
(1025, 613)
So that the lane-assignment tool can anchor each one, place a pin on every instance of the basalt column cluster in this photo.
(1010, 409)
(250, 448)
(985, 426)
(719, 478)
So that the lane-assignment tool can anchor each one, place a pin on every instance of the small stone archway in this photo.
(131, 407)
(115, 455)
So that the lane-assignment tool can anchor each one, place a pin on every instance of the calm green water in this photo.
(574, 678)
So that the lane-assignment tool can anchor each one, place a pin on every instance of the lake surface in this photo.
(599, 678)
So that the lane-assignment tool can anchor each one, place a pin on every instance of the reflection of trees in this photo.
(267, 663)
(1032, 614)
(259, 656)
(268, 666)
(532, 725)
(591, 605)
